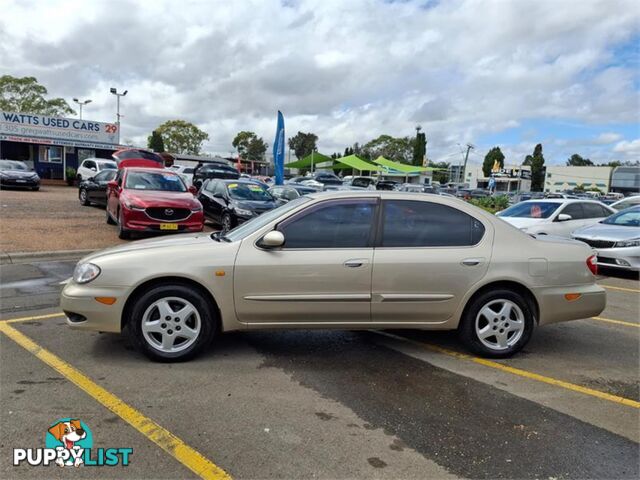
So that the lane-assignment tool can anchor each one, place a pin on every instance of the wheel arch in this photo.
(171, 280)
(508, 285)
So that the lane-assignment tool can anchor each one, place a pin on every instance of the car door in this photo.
(98, 186)
(113, 195)
(564, 228)
(322, 273)
(428, 255)
(205, 196)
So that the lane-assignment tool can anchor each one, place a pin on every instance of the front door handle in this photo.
(472, 262)
(355, 263)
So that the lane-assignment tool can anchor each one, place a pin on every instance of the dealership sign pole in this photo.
(278, 150)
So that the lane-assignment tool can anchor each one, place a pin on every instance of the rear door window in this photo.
(575, 210)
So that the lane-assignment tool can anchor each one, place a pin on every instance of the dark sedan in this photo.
(17, 175)
(231, 202)
(94, 190)
(213, 170)
(286, 193)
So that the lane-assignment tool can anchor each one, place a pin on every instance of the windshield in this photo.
(257, 223)
(248, 191)
(107, 166)
(531, 210)
(626, 218)
(9, 165)
(168, 182)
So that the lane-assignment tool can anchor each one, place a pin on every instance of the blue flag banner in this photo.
(278, 150)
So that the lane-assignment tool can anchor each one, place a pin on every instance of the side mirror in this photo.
(93, 169)
(193, 190)
(563, 217)
(273, 239)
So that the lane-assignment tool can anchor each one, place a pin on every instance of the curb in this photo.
(27, 257)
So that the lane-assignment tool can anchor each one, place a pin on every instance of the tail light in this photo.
(592, 264)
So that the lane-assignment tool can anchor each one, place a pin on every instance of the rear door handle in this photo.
(355, 263)
(472, 262)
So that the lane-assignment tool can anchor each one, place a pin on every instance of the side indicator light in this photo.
(572, 297)
(220, 273)
(106, 300)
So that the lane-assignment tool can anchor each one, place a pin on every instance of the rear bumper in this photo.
(84, 312)
(554, 307)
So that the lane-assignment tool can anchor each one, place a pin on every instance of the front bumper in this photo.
(554, 307)
(139, 221)
(627, 258)
(84, 312)
(19, 183)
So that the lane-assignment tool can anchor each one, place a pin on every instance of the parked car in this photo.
(90, 167)
(442, 264)
(320, 179)
(417, 188)
(363, 182)
(386, 185)
(137, 157)
(16, 174)
(213, 170)
(616, 239)
(152, 200)
(286, 193)
(185, 172)
(94, 190)
(554, 217)
(626, 203)
(232, 202)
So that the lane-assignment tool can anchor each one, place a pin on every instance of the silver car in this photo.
(615, 239)
(348, 260)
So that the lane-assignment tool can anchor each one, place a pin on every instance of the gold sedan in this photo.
(348, 260)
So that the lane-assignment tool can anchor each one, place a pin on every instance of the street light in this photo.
(82, 104)
(118, 95)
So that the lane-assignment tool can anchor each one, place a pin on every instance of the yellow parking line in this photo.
(521, 373)
(171, 444)
(611, 287)
(618, 322)
(36, 317)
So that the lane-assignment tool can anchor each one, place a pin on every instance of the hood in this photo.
(155, 198)
(187, 239)
(523, 222)
(18, 173)
(602, 231)
(254, 204)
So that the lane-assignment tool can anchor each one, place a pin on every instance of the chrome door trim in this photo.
(414, 297)
(338, 297)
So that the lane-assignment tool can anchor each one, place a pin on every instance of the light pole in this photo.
(82, 104)
(118, 95)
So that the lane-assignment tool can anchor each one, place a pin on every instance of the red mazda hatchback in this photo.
(152, 200)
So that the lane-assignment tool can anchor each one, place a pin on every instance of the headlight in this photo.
(635, 242)
(85, 272)
(197, 208)
(133, 206)
(243, 212)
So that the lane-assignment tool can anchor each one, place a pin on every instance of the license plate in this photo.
(21, 181)
(168, 226)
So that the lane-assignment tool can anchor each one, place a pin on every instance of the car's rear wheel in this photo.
(84, 198)
(123, 233)
(497, 324)
(172, 323)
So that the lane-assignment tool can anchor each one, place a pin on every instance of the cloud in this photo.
(607, 137)
(348, 71)
(630, 149)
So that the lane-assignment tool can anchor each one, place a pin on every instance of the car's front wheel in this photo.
(84, 198)
(497, 324)
(227, 222)
(123, 233)
(172, 323)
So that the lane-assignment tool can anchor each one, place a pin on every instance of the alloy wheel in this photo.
(171, 324)
(499, 324)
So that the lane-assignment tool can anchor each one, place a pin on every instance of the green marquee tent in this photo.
(313, 158)
(400, 167)
(352, 161)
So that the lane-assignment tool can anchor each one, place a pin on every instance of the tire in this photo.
(109, 219)
(227, 222)
(123, 233)
(485, 315)
(83, 197)
(149, 328)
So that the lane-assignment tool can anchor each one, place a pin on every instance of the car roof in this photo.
(149, 169)
(562, 200)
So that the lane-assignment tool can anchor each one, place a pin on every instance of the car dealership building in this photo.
(50, 145)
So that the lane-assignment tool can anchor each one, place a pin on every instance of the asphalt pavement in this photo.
(325, 404)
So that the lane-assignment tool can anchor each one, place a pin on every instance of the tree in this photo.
(493, 155)
(303, 144)
(441, 176)
(250, 146)
(392, 148)
(577, 161)
(180, 136)
(536, 162)
(155, 142)
(27, 95)
(419, 147)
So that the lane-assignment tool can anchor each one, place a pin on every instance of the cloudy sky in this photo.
(512, 73)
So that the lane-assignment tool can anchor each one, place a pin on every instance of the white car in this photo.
(90, 167)
(185, 172)
(559, 217)
(626, 202)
